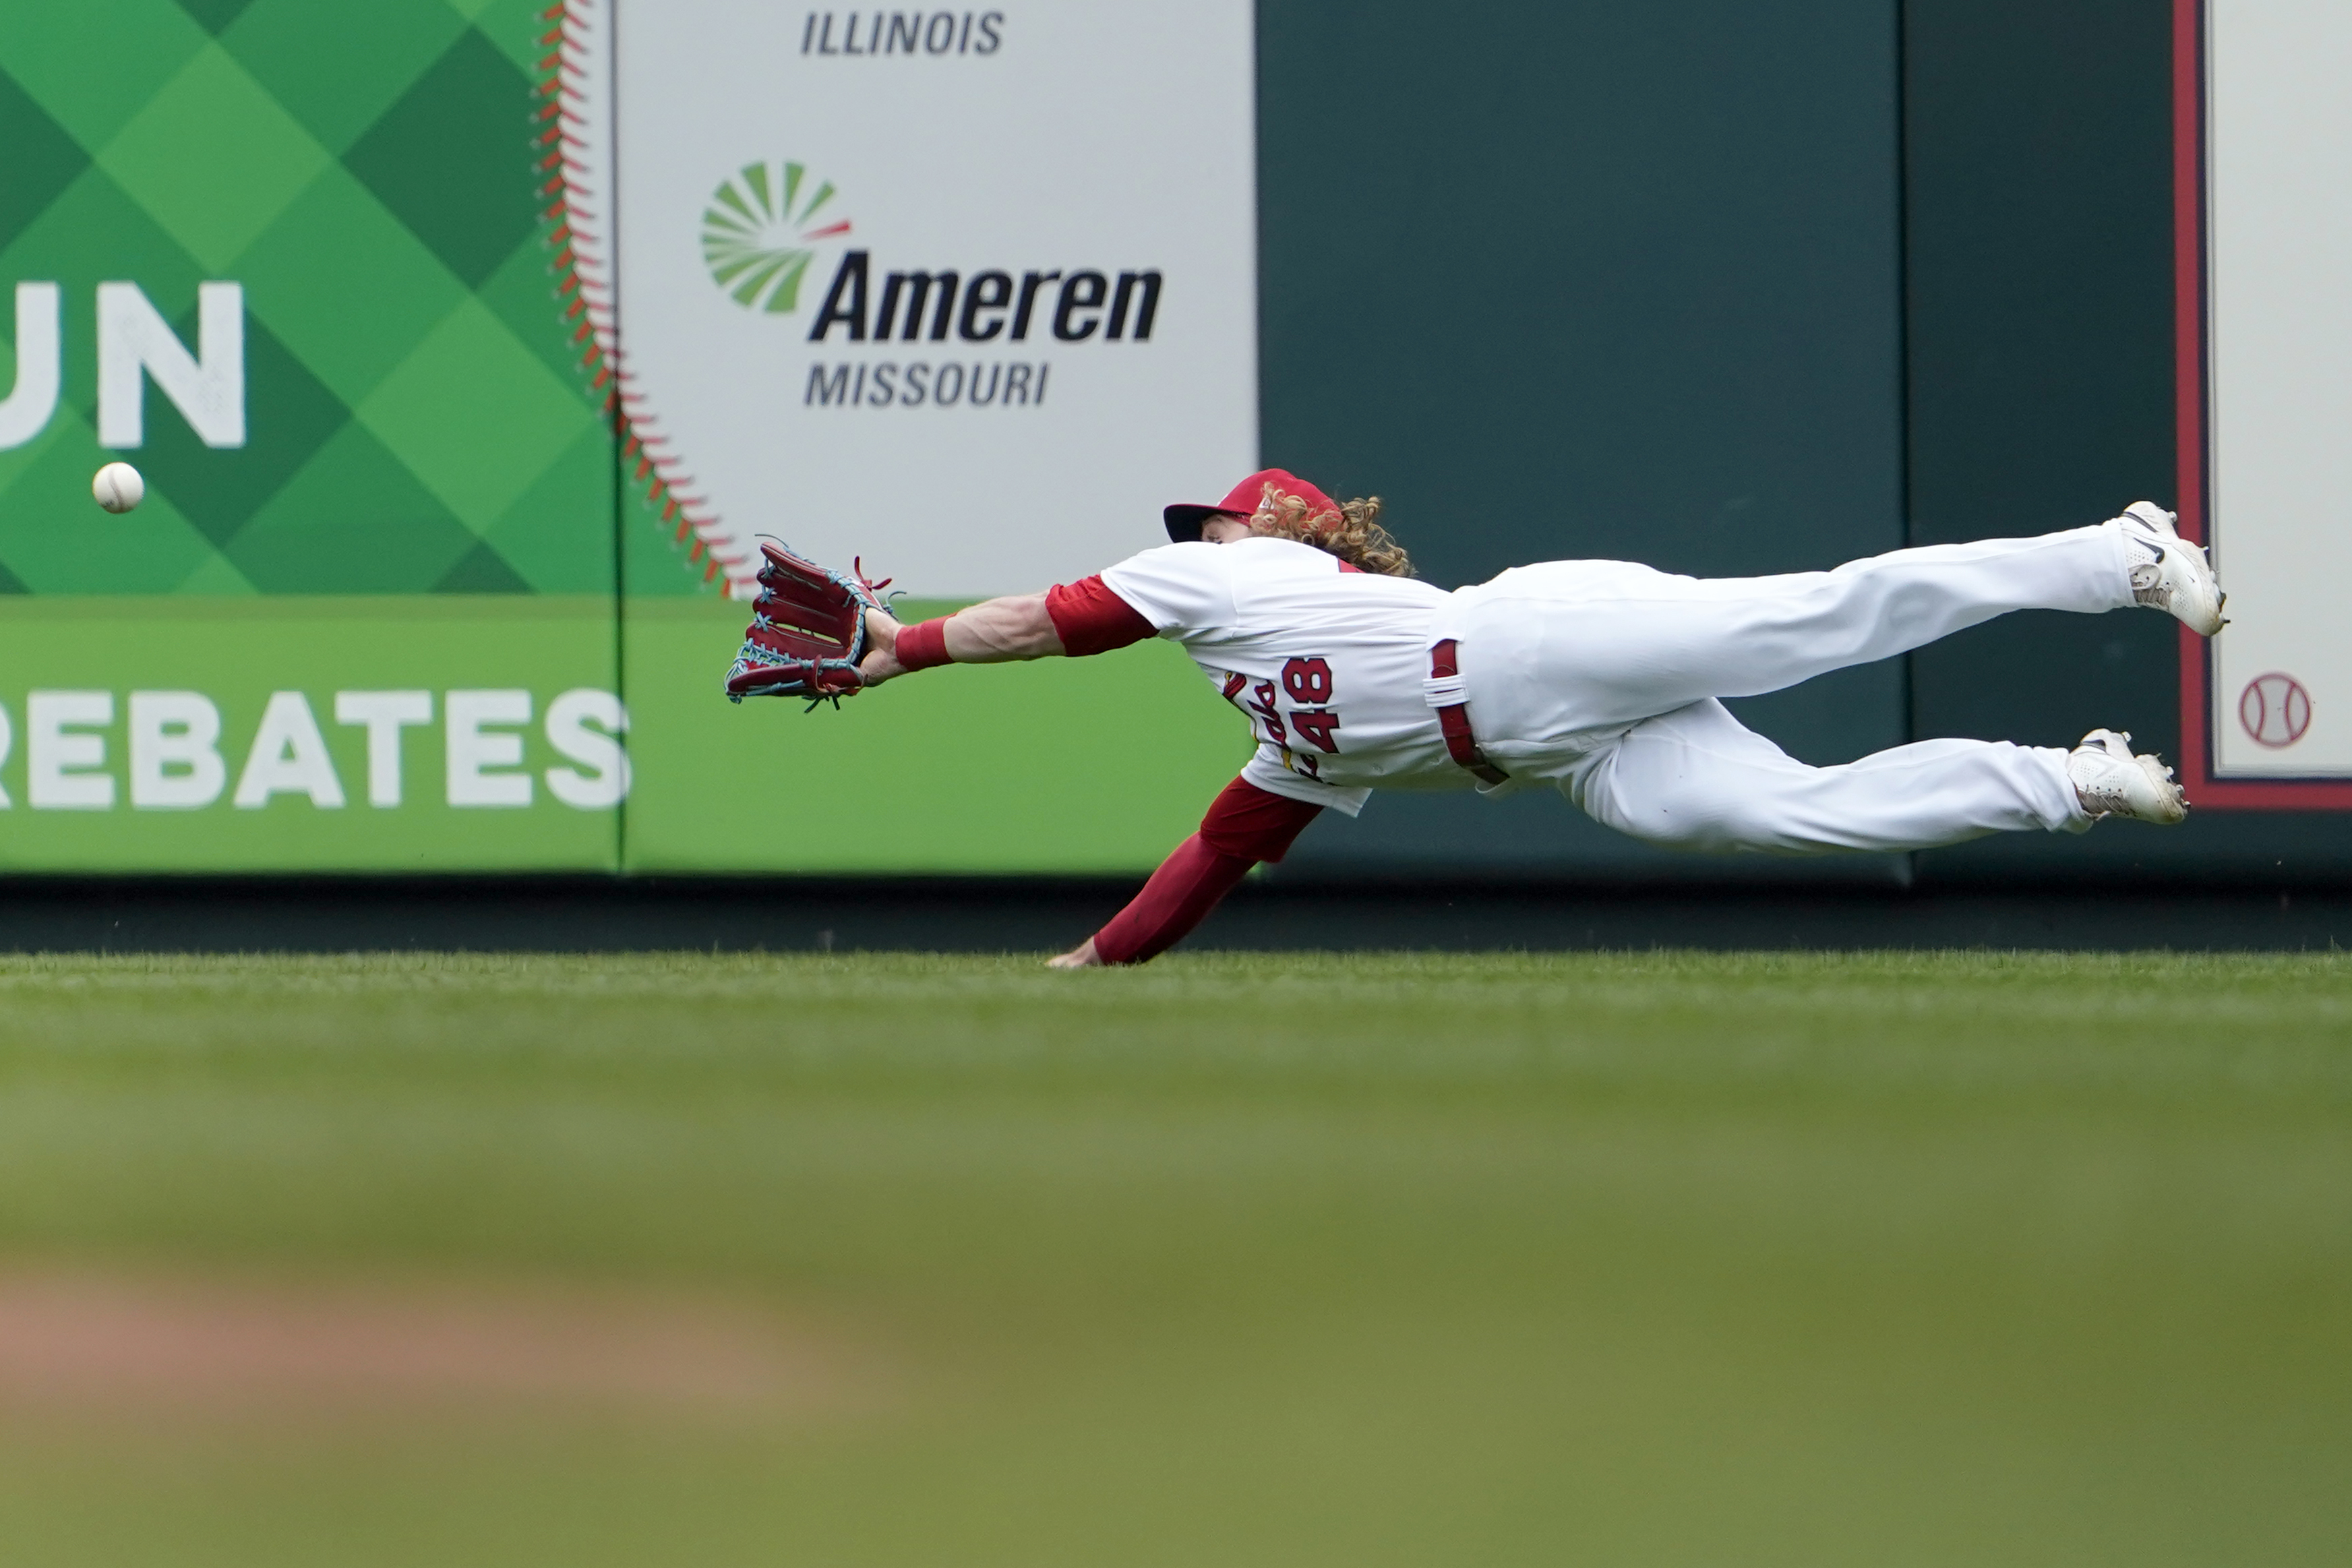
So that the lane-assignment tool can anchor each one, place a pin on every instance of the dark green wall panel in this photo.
(2038, 195)
(1590, 280)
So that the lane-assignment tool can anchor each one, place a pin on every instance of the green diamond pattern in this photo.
(213, 158)
(468, 375)
(516, 27)
(219, 490)
(217, 577)
(559, 532)
(215, 15)
(150, 550)
(337, 67)
(302, 543)
(517, 294)
(483, 571)
(423, 158)
(416, 420)
(93, 64)
(298, 278)
(42, 160)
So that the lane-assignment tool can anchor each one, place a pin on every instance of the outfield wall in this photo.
(424, 582)
(469, 350)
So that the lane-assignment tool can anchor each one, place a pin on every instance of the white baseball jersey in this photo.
(1327, 662)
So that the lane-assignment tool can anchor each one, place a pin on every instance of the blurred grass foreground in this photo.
(1306, 1259)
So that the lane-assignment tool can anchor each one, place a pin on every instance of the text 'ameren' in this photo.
(173, 759)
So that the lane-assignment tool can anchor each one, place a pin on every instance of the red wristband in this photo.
(924, 646)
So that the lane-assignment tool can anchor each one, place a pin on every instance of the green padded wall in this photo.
(1599, 280)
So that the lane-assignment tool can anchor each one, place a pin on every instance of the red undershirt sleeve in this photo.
(1089, 618)
(1188, 885)
(1244, 825)
(1253, 824)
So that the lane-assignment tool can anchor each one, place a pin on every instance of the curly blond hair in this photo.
(1354, 533)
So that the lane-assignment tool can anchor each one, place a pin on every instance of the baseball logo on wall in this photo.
(973, 310)
(2275, 710)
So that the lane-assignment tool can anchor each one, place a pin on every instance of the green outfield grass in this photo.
(1805, 1260)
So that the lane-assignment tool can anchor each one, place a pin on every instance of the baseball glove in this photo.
(807, 631)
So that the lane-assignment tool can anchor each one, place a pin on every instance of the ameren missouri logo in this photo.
(989, 307)
(760, 233)
(758, 236)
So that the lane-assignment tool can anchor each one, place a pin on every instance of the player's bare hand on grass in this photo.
(1082, 957)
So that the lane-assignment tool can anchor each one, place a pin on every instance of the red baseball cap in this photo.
(1185, 518)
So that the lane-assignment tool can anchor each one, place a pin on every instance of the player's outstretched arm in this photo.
(1076, 618)
(998, 631)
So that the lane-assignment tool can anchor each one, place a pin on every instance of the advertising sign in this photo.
(966, 295)
(972, 292)
(287, 259)
(465, 349)
(2265, 136)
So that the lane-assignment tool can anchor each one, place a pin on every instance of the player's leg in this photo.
(1574, 645)
(1698, 779)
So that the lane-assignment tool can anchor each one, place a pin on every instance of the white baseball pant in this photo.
(1603, 676)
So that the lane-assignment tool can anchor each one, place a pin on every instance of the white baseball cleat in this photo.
(2111, 781)
(2169, 573)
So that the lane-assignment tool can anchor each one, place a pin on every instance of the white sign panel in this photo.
(2278, 210)
(970, 294)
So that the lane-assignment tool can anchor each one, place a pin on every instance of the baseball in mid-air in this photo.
(118, 487)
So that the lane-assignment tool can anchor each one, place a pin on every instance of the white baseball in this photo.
(118, 487)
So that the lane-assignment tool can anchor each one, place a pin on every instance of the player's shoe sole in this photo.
(2178, 580)
(2111, 781)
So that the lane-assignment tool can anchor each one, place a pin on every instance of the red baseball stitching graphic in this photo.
(2275, 710)
(584, 288)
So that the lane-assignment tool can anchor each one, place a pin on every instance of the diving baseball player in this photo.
(1600, 679)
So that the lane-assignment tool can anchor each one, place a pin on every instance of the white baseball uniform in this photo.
(1603, 678)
